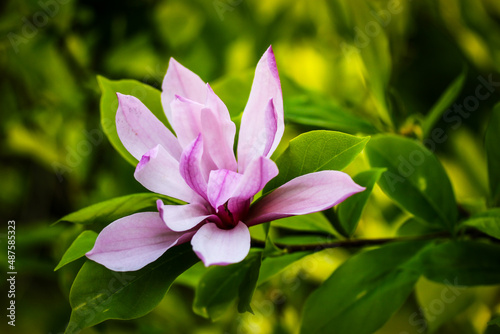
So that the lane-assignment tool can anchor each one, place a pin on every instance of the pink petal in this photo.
(159, 172)
(218, 132)
(221, 185)
(181, 81)
(132, 242)
(182, 217)
(139, 130)
(260, 171)
(215, 246)
(191, 167)
(185, 119)
(302, 195)
(257, 123)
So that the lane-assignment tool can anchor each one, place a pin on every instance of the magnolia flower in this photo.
(199, 167)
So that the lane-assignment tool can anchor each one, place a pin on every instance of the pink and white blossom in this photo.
(199, 167)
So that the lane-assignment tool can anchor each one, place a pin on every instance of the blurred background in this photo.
(355, 66)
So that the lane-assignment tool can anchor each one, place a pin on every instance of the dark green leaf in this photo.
(82, 244)
(492, 141)
(349, 211)
(415, 179)
(303, 240)
(462, 263)
(314, 222)
(314, 151)
(358, 286)
(445, 100)
(148, 95)
(222, 285)
(316, 111)
(108, 211)
(487, 222)
(495, 321)
(99, 294)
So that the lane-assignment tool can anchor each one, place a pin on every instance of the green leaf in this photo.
(315, 110)
(495, 321)
(99, 294)
(357, 288)
(313, 222)
(445, 100)
(82, 244)
(272, 266)
(492, 141)
(415, 179)
(349, 211)
(440, 303)
(462, 263)
(222, 285)
(487, 222)
(148, 95)
(234, 90)
(315, 151)
(103, 213)
(303, 240)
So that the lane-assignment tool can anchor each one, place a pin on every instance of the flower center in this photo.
(230, 218)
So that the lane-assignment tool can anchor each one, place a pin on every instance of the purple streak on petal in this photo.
(139, 130)
(221, 185)
(132, 242)
(255, 123)
(191, 167)
(215, 246)
(159, 172)
(181, 218)
(181, 81)
(305, 194)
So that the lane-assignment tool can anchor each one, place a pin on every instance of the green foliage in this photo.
(82, 244)
(99, 294)
(220, 286)
(315, 151)
(358, 286)
(492, 141)
(313, 222)
(414, 179)
(463, 263)
(487, 222)
(349, 211)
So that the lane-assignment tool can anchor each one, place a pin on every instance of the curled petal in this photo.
(139, 130)
(305, 194)
(257, 120)
(132, 242)
(159, 172)
(216, 246)
(182, 217)
(181, 81)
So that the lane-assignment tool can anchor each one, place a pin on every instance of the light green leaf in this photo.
(82, 244)
(415, 179)
(492, 141)
(487, 222)
(462, 263)
(272, 266)
(103, 213)
(222, 285)
(99, 294)
(349, 211)
(315, 151)
(313, 222)
(148, 95)
(356, 288)
(445, 100)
